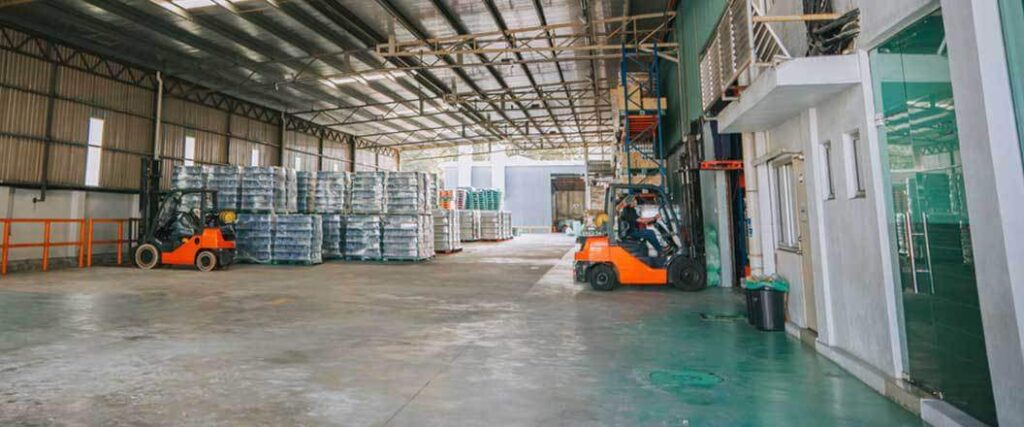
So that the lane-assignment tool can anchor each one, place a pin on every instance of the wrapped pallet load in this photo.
(469, 224)
(260, 189)
(227, 181)
(447, 236)
(490, 225)
(298, 239)
(362, 237)
(255, 237)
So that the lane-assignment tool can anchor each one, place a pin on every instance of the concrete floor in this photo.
(496, 335)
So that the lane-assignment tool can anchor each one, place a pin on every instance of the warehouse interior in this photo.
(510, 212)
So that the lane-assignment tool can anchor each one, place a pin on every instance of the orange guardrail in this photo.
(120, 241)
(85, 243)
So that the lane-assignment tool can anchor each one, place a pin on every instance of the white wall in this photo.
(17, 203)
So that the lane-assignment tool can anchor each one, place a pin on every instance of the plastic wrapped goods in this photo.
(305, 183)
(261, 187)
(189, 178)
(286, 195)
(490, 225)
(254, 237)
(469, 222)
(407, 237)
(367, 192)
(333, 236)
(331, 192)
(406, 192)
(447, 236)
(227, 181)
(362, 237)
(298, 239)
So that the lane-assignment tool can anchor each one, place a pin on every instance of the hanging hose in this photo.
(830, 37)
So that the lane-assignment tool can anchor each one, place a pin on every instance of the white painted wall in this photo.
(17, 203)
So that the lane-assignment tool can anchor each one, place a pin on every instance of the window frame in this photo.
(189, 158)
(783, 189)
(94, 151)
(255, 156)
(825, 157)
(854, 164)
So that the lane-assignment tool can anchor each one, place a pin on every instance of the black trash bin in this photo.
(766, 308)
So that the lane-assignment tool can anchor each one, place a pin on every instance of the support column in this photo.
(753, 230)
(499, 158)
(994, 180)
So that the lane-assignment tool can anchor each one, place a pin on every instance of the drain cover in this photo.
(719, 317)
(684, 378)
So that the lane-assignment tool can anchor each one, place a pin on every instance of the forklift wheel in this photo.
(603, 278)
(147, 256)
(206, 261)
(687, 275)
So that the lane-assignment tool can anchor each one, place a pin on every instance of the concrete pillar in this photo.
(465, 166)
(753, 206)
(994, 178)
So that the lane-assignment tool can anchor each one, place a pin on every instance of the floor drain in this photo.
(715, 317)
(684, 378)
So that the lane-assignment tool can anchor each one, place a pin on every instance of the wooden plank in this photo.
(798, 18)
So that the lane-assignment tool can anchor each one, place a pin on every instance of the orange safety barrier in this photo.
(85, 243)
(120, 241)
(46, 244)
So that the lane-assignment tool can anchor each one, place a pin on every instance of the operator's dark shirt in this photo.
(630, 217)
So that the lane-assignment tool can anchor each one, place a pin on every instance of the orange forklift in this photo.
(615, 258)
(174, 234)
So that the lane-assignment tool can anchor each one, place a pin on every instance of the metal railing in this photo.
(740, 41)
(85, 242)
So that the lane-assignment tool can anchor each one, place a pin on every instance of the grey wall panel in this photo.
(67, 164)
(21, 160)
(481, 177)
(254, 130)
(103, 92)
(24, 72)
(23, 113)
(528, 193)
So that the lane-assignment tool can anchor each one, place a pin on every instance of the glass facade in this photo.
(942, 319)
(1013, 28)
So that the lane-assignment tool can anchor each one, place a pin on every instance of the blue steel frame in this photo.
(656, 153)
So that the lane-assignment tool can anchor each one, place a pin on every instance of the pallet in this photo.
(449, 252)
(295, 262)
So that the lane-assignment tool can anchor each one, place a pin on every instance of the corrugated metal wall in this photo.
(224, 134)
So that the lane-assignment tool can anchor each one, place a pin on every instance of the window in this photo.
(190, 150)
(298, 163)
(785, 205)
(254, 159)
(854, 175)
(94, 153)
(335, 167)
(829, 188)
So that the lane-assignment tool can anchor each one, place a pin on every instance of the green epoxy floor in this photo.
(497, 335)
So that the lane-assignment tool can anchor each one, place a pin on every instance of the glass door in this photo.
(942, 318)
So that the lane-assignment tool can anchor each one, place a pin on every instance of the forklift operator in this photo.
(631, 219)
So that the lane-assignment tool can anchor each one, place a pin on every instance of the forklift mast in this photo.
(149, 196)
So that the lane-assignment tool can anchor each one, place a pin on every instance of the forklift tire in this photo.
(603, 278)
(687, 274)
(147, 256)
(206, 261)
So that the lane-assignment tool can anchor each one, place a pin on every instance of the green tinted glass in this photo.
(945, 340)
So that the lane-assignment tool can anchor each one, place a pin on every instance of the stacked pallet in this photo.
(506, 225)
(189, 178)
(433, 186)
(298, 239)
(407, 237)
(367, 194)
(447, 233)
(255, 237)
(469, 224)
(227, 181)
(305, 183)
(263, 189)
(490, 225)
(446, 199)
(405, 192)
(333, 236)
(332, 190)
(287, 201)
(362, 237)
(489, 199)
(461, 198)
